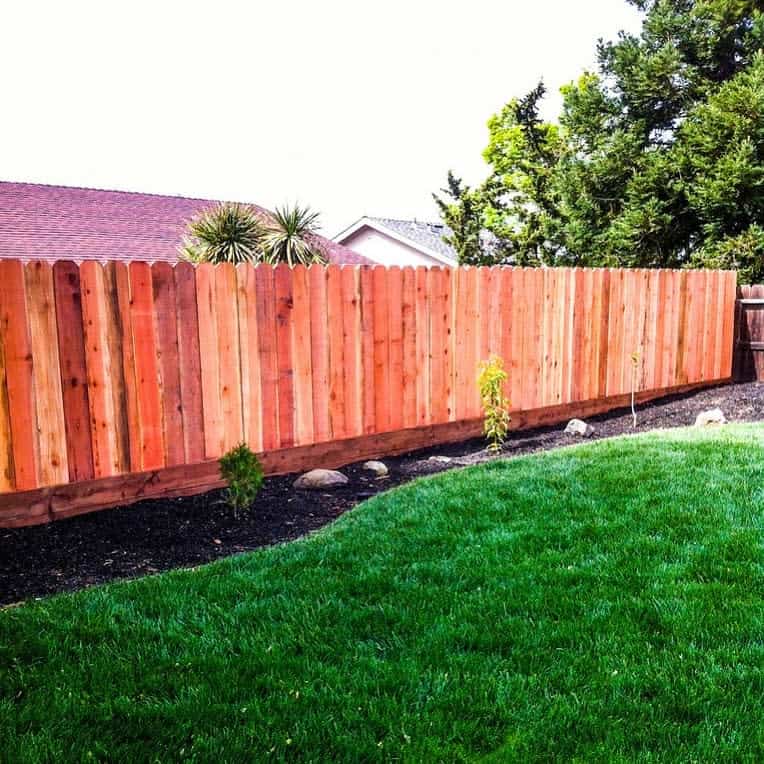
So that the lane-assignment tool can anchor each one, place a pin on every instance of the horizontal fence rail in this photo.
(118, 380)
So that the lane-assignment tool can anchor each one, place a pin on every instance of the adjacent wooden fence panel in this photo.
(748, 333)
(110, 371)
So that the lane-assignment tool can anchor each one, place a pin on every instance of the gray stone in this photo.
(710, 417)
(440, 459)
(378, 468)
(580, 428)
(316, 479)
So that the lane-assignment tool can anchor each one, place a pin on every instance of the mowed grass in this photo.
(597, 603)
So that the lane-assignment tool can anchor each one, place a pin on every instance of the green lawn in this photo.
(597, 603)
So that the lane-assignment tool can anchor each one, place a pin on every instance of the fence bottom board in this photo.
(42, 505)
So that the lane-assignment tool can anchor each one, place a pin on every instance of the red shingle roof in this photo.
(63, 223)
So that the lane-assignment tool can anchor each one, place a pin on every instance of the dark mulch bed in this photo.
(157, 535)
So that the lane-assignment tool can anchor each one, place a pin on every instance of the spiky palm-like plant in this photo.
(226, 233)
(290, 237)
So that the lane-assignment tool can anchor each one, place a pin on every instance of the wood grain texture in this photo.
(111, 370)
(351, 350)
(33, 507)
(381, 351)
(335, 331)
(410, 370)
(19, 373)
(423, 309)
(99, 375)
(73, 371)
(395, 346)
(319, 353)
(303, 368)
(168, 360)
(189, 363)
(151, 435)
(367, 347)
(43, 336)
(227, 315)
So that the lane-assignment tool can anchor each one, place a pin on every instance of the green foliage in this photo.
(241, 469)
(491, 379)
(462, 212)
(290, 237)
(599, 603)
(227, 233)
(657, 160)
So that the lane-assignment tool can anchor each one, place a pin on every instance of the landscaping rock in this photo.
(378, 468)
(440, 459)
(316, 479)
(580, 428)
(710, 417)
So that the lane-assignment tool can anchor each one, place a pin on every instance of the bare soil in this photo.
(161, 534)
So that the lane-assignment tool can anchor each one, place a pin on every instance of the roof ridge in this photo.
(407, 220)
(120, 191)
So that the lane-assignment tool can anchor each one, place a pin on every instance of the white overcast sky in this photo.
(354, 108)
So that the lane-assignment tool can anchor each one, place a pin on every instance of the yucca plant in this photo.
(226, 233)
(290, 238)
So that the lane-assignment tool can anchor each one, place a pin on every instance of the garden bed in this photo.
(158, 535)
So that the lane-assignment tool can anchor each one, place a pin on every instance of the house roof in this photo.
(62, 222)
(424, 236)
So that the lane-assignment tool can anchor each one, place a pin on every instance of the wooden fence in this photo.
(120, 381)
(748, 363)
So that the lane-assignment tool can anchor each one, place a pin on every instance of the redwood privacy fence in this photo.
(120, 381)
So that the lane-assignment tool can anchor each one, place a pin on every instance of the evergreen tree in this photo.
(657, 159)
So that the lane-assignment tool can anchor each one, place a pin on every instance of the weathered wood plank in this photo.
(53, 467)
(168, 360)
(19, 371)
(71, 350)
(190, 364)
(146, 368)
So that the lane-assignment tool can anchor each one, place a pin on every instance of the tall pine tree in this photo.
(658, 158)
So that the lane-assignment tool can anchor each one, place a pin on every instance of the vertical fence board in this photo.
(53, 468)
(146, 371)
(227, 314)
(7, 481)
(440, 322)
(503, 304)
(212, 409)
(351, 351)
(395, 340)
(728, 318)
(423, 309)
(615, 333)
(115, 340)
(381, 351)
(168, 359)
(520, 323)
(367, 348)
(410, 371)
(684, 339)
(98, 364)
(303, 370)
(335, 330)
(14, 335)
(132, 413)
(190, 364)
(71, 350)
(319, 354)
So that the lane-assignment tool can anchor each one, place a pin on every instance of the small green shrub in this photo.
(491, 379)
(241, 469)
(634, 373)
